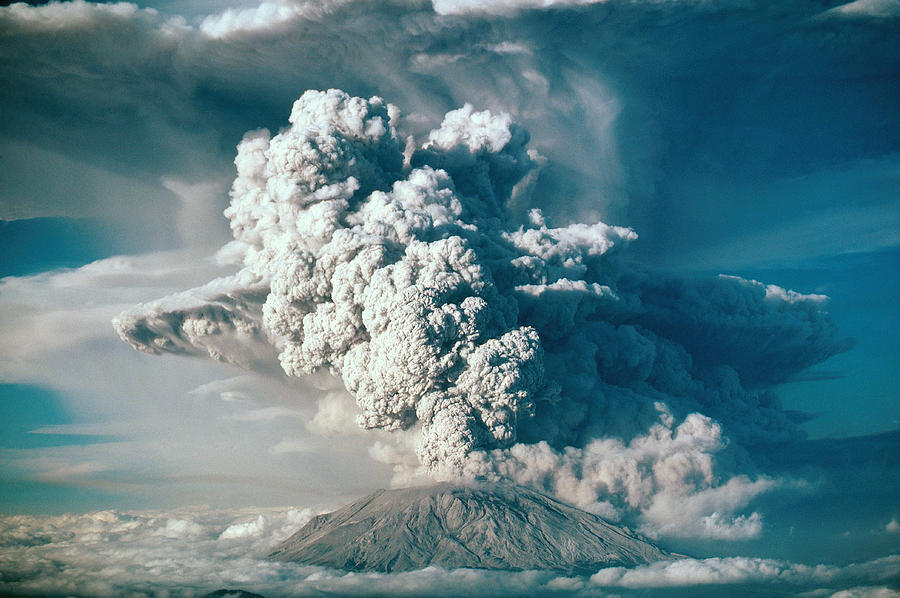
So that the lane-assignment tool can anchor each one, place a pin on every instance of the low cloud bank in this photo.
(191, 552)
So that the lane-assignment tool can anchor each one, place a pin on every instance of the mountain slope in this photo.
(483, 526)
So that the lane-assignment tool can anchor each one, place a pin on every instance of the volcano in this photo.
(479, 525)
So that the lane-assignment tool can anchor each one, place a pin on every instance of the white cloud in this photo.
(184, 429)
(335, 414)
(55, 311)
(451, 7)
(243, 530)
(263, 17)
(179, 528)
(709, 513)
(743, 570)
(55, 15)
(668, 475)
(266, 17)
(867, 592)
(186, 553)
(876, 9)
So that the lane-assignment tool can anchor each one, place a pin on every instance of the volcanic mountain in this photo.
(480, 525)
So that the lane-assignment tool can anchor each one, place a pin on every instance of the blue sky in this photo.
(752, 139)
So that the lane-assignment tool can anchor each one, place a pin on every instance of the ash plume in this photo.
(531, 352)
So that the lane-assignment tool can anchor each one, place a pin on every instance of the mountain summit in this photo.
(480, 526)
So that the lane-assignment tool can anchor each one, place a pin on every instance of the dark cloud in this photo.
(670, 117)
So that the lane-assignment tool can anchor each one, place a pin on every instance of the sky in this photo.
(641, 255)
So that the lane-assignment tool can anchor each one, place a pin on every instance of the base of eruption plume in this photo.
(479, 526)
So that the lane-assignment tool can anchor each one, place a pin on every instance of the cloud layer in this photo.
(188, 553)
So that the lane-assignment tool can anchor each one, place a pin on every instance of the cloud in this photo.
(188, 552)
(456, 7)
(197, 112)
(242, 530)
(529, 352)
(861, 9)
(866, 592)
(108, 553)
(56, 311)
(511, 7)
(56, 15)
(605, 120)
(219, 320)
(179, 528)
(740, 570)
(263, 17)
(174, 430)
(670, 475)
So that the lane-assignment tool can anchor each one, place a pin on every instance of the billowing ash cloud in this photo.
(218, 320)
(532, 352)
